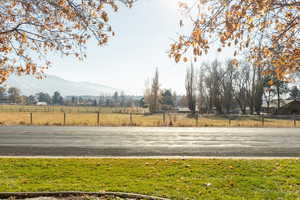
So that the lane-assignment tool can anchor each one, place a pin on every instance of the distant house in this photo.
(272, 108)
(293, 107)
(183, 110)
(41, 103)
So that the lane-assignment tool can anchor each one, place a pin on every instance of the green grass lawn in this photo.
(175, 179)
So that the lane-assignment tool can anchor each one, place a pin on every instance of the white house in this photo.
(41, 103)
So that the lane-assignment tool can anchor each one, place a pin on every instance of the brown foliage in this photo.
(31, 29)
(267, 29)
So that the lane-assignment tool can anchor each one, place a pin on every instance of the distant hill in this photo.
(29, 85)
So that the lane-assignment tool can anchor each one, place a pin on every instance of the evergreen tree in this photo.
(31, 100)
(57, 99)
(44, 97)
(167, 98)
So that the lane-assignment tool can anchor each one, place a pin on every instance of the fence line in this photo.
(131, 119)
(68, 109)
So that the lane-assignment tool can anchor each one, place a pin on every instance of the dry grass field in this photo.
(70, 109)
(113, 119)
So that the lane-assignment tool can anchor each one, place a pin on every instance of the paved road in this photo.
(131, 141)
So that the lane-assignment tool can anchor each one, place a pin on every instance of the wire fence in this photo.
(71, 109)
(133, 119)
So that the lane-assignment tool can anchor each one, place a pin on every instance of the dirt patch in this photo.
(74, 198)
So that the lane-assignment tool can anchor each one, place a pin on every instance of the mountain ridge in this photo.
(51, 83)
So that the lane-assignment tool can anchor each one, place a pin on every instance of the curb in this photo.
(23, 195)
(157, 157)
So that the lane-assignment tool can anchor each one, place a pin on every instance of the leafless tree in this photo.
(190, 86)
(227, 87)
(202, 103)
(242, 86)
(152, 94)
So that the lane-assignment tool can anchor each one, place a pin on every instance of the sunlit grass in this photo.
(174, 179)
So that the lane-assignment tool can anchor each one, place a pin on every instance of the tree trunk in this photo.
(278, 99)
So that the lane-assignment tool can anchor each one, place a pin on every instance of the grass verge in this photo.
(171, 178)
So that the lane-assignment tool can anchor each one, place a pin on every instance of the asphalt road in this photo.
(132, 141)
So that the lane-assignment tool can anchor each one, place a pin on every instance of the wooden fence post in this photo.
(131, 123)
(164, 118)
(98, 118)
(197, 119)
(65, 118)
(263, 120)
(294, 118)
(170, 119)
(229, 122)
(31, 119)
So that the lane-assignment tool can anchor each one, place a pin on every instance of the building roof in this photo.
(291, 108)
(273, 103)
(183, 109)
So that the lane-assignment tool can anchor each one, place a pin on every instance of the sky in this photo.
(143, 36)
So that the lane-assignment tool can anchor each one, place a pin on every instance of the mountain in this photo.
(30, 85)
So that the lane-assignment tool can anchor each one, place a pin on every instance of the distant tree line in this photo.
(223, 88)
(13, 95)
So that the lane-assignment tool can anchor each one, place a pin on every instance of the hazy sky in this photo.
(143, 35)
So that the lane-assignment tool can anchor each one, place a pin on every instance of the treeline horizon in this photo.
(212, 87)
(12, 95)
(226, 87)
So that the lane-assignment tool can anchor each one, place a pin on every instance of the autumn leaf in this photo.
(234, 62)
(38, 27)
(177, 58)
(270, 82)
(254, 27)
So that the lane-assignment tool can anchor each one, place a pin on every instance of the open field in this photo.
(175, 179)
(71, 109)
(115, 116)
(114, 119)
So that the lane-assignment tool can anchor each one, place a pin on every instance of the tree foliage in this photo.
(44, 97)
(31, 29)
(31, 100)
(57, 99)
(268, 30)
(14, 95)
(167, 98)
